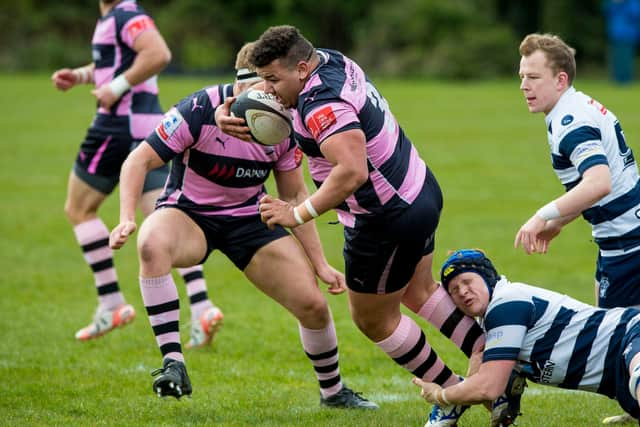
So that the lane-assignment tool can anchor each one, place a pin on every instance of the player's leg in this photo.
(281, 270)
(168, 238)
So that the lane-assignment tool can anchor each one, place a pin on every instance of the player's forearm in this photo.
(148, 63)
(341, 183)
(132, 176)
(307, 235)
(84, 74)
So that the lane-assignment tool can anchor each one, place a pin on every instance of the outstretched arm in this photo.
(132, 175)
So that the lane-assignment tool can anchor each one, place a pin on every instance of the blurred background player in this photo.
(552, 338)
(622, 18)
(128, 53)
(211, 202)
(592, 160)
(387, 199)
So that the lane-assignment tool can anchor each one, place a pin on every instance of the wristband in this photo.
(549, 211)
(444, 397)
(297, 216)
(83, 75)
(119, 85)
(312, 211)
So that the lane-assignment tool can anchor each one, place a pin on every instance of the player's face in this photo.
(283, 82)
(470, 293)
(540, 86)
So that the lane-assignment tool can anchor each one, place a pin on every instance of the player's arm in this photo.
(486, 385)
(293, 191)
(66, 78)
(152, 56)
(132, 175)
(535, 234)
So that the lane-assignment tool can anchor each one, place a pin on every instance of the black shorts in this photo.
(104, 150)
(239, 238)
(381, 258)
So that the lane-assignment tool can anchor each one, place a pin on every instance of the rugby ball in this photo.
(268, 121)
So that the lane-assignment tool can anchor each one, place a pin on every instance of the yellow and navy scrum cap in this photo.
(469, 260)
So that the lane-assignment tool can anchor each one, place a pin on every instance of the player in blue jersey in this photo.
(551, 338)
(389, 202)
(593, 161)
(128, 53)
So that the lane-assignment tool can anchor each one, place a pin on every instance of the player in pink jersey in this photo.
(128, 53)
(211, 202)
(386, 197)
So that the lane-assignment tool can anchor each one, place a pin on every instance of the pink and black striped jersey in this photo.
(112, 49)
(337, 97)
(213, 173)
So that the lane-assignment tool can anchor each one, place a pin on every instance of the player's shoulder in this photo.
(573, 113)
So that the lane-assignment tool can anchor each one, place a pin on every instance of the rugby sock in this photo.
(408, 347)
(321, 347)
(463, 330)
(197, 290)
(93, 237)
(160, 298)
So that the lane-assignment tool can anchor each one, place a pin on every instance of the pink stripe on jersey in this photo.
(204, 192)
(414, 180)
(142, 125)
(93, 166)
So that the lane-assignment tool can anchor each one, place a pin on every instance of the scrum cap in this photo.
(469, 260)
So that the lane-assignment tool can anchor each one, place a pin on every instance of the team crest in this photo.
(603, 285)
(169, 124)
(567, 119)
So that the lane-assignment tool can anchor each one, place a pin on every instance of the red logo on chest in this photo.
(321, 120)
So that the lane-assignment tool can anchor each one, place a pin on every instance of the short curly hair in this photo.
(560, 56)
(284, 42)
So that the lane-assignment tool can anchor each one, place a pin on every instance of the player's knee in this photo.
(151, 248)
(314, 310)
(75, 214)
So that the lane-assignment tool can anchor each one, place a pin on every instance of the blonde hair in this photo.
(560, 56)
(243, 56)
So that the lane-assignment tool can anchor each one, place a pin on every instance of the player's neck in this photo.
(106, 6)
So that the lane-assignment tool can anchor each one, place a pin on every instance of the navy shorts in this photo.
(104, 150)
(619, 280)
(239, 238)
(381, 258)
(630, 346)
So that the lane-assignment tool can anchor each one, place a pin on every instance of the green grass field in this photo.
(491, 158)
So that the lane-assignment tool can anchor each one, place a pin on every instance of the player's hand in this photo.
(528, 235)
(332, 277)
(64, 79)
(275, 211)
(120, 234)
(105, 96)
(551, 229)
(234, 126)
(429, 391)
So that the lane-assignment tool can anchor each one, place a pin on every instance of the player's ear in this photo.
(563, 80)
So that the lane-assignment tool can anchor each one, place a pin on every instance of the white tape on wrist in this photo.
(119, 85)
(549, 211)
(444, 397)
(312, 211)
(297, 216)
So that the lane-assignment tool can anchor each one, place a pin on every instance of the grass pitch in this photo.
(491, 158)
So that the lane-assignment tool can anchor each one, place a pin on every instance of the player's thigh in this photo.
(169, 233)
(281, 270)
(82, 199)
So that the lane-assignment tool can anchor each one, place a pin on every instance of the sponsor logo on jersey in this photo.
(139, 24)
(321, 120)
(169, 124)
(546, 373)
(599, 106)
(229, 171)
(222, 172)
(567, 119)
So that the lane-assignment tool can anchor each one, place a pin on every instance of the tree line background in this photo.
(458, 39)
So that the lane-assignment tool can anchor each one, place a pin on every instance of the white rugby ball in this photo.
(268, 121)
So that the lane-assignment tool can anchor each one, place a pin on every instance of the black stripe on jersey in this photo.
(95, 245)
(539, 307)
(104, 55)
(200, 296)
(560, 162)
(395, 168)
(608, 381)
(544, 346)
(598, 159)
(308, 146)
(371, 119)
(108, 288)
(615, 208)
(327, 354)
(146, 103)
(162, 150)
(229, 171)
(102, 265)
(165, 328)
(582, 350)
(163, 308)
(510, 313)
(577, 137)
(626, 241)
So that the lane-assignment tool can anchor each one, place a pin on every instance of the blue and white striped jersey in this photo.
(583, 133)
(568, 343)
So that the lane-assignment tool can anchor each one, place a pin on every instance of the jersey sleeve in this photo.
(179, 128)
(329, 117)
(290, 158)
(506, 325)
(582, 144)
(135, 26)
